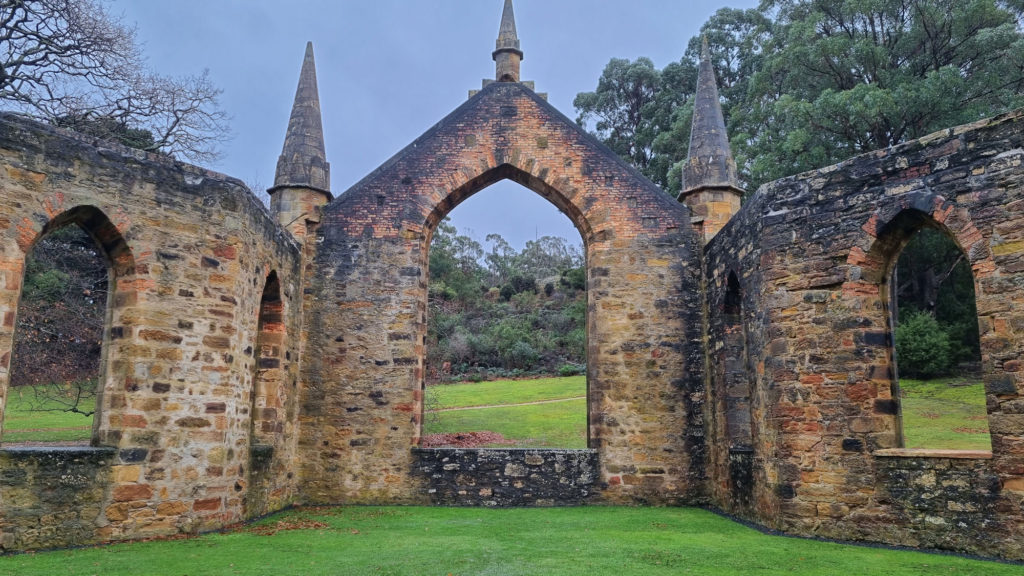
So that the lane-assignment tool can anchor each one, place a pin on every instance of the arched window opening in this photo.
(733, 306)
(57, 360)
(505, 361)
(268, 384)
(737, 378)
(937, 345)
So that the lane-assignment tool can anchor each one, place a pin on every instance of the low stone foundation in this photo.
(950, 504)
(507, 477)
(53, 497)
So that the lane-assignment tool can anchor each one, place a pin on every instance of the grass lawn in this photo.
(560, 424)
(29, 419)
(555, 425)
(425, 541)
(443, 396)
(945, 413)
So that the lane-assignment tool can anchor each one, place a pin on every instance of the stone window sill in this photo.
(930, 453)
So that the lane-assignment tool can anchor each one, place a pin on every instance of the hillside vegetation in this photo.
(503, 312)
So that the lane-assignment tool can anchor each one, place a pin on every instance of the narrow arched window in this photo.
(937, 345)
(737, 379)
(58, 364)
(268, 385)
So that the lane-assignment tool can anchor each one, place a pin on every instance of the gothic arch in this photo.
(642, 278)
(559, 198)
(268, 388)
(889, 230)
(121, 295)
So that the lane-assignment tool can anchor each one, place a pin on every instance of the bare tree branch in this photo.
(73, 63)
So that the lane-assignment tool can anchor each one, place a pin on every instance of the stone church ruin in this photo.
(737, 356)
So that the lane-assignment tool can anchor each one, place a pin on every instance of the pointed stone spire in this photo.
(710, 182)
(302, 182)
(710, 161)
(507, 54)
(303, 162)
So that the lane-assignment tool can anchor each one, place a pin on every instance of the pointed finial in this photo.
(710, 162)
(705, 52)
(507, 54)
(711, 186)
(303, 162)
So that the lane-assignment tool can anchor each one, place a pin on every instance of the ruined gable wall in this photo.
(179, 359)
(813, 251)
(367, 314)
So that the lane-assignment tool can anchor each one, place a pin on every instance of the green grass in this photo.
(590, 541)
(945, 413)
(504, 392)
(29, 419)
(555, 425)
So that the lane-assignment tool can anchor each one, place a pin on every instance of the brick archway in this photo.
(644, 306)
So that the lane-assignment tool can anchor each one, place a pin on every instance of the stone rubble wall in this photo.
(508, 477)
(813, 254)
(191, 252)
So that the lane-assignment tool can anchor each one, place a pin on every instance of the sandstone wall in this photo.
(362, 406)
(190, 254)
(813, 255)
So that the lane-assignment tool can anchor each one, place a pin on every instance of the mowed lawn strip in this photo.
(28, 419)
(590, 541)
(554, 425)
(944, 414)
(501, 392)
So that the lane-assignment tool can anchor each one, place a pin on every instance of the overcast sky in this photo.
(390, 69)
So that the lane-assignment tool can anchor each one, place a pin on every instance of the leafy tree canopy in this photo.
(806, 83)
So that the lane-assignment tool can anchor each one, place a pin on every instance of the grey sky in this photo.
(389, 69)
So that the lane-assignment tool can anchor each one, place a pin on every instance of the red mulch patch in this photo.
(931, 415)
(464, 440)
(966, 430)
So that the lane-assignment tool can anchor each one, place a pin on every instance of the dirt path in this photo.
(507, 405)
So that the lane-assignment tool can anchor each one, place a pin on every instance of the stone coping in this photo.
(933, 453)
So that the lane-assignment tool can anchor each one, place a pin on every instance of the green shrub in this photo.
(45, 284)
(523, 284)
(507, 292)
(520, 355)
(922, 347)
(569, 370)
(575, 278)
